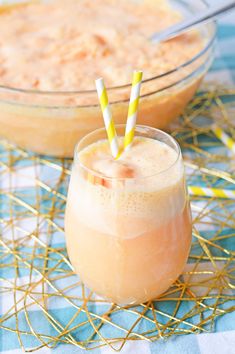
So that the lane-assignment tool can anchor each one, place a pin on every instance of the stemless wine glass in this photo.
(128, 238)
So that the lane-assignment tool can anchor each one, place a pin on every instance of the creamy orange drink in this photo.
(85, 39)
(128, 222)
(52, 51)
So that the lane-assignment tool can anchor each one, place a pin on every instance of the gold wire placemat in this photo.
(44, 303)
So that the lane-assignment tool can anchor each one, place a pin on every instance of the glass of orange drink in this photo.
(128, 221)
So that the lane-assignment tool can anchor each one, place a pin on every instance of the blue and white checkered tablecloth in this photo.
(222, 341)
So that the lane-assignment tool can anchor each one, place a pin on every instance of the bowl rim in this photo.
(208, 45)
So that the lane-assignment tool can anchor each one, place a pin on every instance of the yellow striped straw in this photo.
(133, 107)
(108, 119)
(225, 138)
(211, 192)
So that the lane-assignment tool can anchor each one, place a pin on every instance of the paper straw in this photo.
(107, 115)
(225, 138)
(211, 192)
(132, 110)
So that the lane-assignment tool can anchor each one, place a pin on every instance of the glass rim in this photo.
(77, 161)
(209, 44)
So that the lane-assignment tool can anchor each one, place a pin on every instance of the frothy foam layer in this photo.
(85, 39)
(145, 158)
(143, 203)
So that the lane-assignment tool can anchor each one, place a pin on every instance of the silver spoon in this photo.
(206, 16)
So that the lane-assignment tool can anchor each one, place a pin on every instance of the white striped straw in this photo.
(133, 108)
(107, 116)
(211, 192)
(225, 138)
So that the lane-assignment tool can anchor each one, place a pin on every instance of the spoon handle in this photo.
(206, 16)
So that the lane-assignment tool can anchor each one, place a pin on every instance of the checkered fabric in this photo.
(222, 340)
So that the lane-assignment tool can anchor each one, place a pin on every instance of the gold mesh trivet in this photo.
(43, 302)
